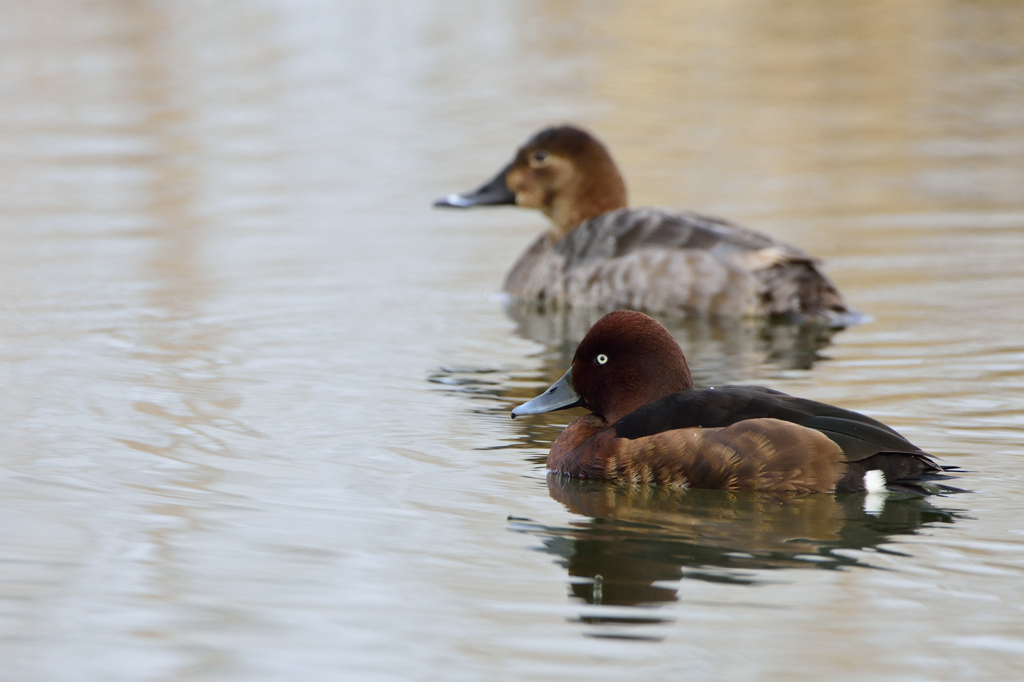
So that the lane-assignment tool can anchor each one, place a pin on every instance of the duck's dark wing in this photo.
(858, 435)
(865, 442)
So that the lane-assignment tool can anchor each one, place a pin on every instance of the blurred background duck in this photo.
(601, 254)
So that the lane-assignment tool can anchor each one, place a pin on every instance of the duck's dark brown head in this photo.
(625, 361)
(563, 171)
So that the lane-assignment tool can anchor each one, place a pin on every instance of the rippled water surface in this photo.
(255, 391)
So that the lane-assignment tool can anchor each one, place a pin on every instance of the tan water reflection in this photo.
(853, 102)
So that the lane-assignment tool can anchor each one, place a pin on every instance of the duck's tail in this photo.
(797, 289)
(906, 472)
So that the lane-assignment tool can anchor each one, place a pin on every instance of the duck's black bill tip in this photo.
(453, 201)
(494, 192)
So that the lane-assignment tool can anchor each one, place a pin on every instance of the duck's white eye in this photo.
(602, 358)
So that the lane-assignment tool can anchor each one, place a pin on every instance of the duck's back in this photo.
(673, 262)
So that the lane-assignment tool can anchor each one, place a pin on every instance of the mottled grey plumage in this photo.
(673, 262)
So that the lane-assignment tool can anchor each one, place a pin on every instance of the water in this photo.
(255, 391)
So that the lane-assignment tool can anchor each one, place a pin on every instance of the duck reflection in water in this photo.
(635, 541)
(720, 346)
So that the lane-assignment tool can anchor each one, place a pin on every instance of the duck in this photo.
(599, 253)
(649, 425)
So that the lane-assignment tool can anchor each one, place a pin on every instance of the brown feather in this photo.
(756, 454)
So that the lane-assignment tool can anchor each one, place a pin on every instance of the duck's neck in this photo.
(648, 389)
(599, 190)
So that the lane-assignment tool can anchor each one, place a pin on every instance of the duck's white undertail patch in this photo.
(874, 481)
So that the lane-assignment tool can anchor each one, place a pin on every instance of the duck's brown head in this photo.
(563, 171)
(625, 361)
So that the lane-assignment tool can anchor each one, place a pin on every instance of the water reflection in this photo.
(715, 346)
(635, 541)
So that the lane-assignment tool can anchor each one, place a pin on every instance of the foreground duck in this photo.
(649, 425)
(601, 254)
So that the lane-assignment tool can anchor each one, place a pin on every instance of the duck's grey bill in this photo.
(560, 396)
(492, 193)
